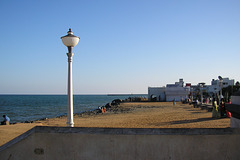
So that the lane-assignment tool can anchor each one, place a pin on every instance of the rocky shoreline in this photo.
(109, 107)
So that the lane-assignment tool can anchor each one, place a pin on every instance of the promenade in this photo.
(130, 115)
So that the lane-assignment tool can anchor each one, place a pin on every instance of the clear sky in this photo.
(125, 45)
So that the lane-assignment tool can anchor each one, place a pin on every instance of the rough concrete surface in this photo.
(123, 143)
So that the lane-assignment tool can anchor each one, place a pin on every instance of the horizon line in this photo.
(107, 94)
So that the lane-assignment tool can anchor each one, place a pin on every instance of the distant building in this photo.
(175, 91)
(156, 94)
(180, 92)
(216, 86)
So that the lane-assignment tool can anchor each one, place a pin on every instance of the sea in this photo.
(27, 108)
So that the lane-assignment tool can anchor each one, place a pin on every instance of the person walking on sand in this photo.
(6, 120)
(174, 101)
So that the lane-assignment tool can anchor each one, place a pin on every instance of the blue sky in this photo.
(125, 45)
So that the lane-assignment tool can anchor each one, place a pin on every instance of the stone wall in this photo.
(118, 143)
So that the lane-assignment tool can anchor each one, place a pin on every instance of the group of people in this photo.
(6, 120)
(220, 111)
(102, 109)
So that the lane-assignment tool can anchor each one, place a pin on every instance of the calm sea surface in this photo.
(21, 108)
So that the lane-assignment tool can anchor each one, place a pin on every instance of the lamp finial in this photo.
(70, 31)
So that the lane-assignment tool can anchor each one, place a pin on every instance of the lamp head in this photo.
(70, 40)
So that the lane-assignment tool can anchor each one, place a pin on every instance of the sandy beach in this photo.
(130, 115)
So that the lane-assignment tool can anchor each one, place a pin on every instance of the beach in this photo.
(129, 115)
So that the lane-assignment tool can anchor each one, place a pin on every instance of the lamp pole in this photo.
(201, 90)
(70, 41)
(220, 86)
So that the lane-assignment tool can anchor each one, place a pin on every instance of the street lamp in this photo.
(201, 85)
(70, 41)
(220, 85)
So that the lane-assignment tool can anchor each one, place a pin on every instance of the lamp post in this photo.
(201, 90)
(220, 86)
(70, 41)
(192, 95)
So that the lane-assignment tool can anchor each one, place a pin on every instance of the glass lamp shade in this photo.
(70, 40)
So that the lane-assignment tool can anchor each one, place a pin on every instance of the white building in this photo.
(216, 85)
(177, 91)
(172, 92)
(156, 93)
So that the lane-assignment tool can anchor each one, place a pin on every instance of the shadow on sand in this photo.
(192, 120)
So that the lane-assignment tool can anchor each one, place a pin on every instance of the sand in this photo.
(130, 115)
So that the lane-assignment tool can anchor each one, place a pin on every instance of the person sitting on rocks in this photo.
(6, 120)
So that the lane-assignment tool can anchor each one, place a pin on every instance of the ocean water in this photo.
(21, 108)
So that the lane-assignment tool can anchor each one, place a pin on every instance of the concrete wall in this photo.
(114, 144)
(235, 100)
